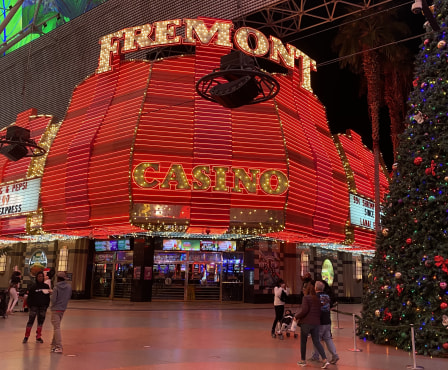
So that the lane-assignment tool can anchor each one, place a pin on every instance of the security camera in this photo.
(417, 7)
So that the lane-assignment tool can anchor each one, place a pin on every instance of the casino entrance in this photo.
(198, 276)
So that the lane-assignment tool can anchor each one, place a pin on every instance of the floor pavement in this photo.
(113, 335)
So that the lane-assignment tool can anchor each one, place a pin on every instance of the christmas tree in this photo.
(407, 281)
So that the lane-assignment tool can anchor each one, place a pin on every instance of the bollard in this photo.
(337, 319)
(354, 349)
(413, 367)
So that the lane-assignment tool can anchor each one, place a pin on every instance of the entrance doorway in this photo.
(204, 281)
(112, 275)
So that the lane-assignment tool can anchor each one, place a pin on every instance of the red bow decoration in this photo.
(399, 289)
(430, 170)
(441, 262)
(387, 315)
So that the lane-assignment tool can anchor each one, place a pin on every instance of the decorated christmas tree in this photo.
(407, 281)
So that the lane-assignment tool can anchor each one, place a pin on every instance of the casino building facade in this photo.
(150, 192)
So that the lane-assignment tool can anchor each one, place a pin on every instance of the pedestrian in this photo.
(13, 291)
(325, 323)
(38, 302)
(280, 291)
(309, 319)
(60, 296)
(305, 280)
(49, 277)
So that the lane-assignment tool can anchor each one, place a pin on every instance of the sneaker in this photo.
(57, 350)
(301, 363)
(325, 365)
(334, 360)
(273, 335)
(25, 340)
(39, 340)
(316, 359)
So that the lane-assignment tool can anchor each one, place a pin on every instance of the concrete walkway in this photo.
(178, 335)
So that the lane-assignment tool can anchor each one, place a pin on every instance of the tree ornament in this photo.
(441, 44)
(387, 315)
(398, 275)
(445, 345)
(415, 82)
(443, 285)
(418, 161)
(423, 85)
(426, 42)
(377, 313)
(395, 166)
(385, 231)
(418, 117)
(443, 305)
(446, 178)
(431, 198)
(408, 241)
(409, 303)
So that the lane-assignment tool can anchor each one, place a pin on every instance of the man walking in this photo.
(325, 323)
(62, 293)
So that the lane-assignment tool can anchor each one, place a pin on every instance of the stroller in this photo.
(287, 325)
(3, 302)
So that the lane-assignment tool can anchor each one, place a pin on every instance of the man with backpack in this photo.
(325, 323)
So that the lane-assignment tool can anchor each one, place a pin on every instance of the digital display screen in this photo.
(227, 245)
(112, 245)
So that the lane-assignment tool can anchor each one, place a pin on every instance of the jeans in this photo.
(56, 318)
(325, 335)
(279, 310)
(306, 329)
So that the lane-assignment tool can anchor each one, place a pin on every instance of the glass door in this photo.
(123, 273)
(103, 275)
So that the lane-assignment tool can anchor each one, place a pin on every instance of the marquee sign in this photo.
(20, 197)
(210, 177)
(362, 212)
(196, 32)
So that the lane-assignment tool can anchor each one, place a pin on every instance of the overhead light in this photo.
(422, 6)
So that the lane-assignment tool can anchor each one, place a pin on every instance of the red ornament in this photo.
(387, 315)
(408, 241)
(430, 170)
(426, 42)
(441, 262)
(415, 82)
(445, 345)
(443, 305)
(418, 161)
(399, 289)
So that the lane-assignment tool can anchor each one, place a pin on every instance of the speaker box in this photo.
(14, 152)
(17, 133)
(236, 93)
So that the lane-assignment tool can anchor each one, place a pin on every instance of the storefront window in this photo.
(3, 263)
(357, 272)
(63, 259)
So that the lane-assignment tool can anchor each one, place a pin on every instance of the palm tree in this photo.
(359, 42)
(397, 86)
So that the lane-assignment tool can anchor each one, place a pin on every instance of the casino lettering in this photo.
(148, 175)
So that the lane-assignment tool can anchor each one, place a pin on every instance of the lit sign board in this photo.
(20, 197)
(195, 32)
(149, 175)
(362, 212)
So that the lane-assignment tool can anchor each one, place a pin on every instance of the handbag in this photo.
(283, 296)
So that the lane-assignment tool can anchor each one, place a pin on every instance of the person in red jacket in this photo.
(309, 318)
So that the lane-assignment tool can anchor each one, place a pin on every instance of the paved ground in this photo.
(167, 336)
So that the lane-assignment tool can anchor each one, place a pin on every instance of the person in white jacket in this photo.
(279, 306)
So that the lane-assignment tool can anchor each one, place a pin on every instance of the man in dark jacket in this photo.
(62, 293)
(326, 302)
(38, 302)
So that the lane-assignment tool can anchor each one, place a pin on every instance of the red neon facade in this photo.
(139, 150)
